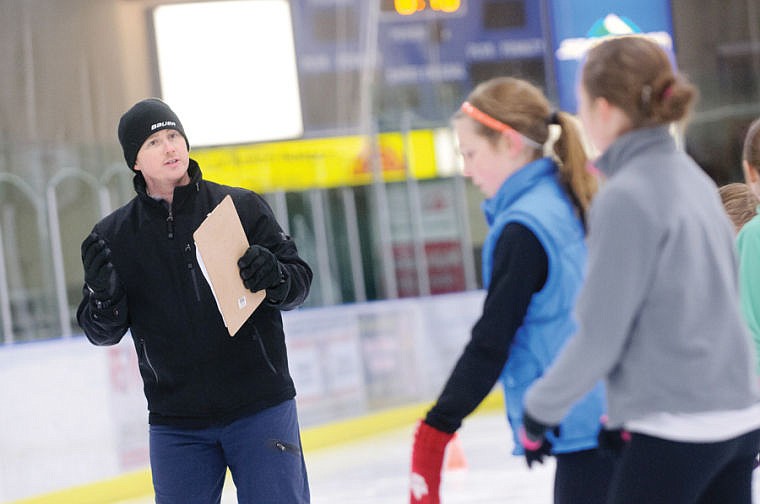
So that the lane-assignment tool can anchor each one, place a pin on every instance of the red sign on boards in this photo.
(445, 267)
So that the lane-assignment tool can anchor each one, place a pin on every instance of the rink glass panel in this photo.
(363, 70)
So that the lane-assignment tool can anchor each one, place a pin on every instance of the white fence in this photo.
(73, 413)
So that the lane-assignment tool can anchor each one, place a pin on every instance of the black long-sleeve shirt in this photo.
(520, 270)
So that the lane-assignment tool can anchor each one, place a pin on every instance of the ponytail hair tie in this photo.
(646, 95)
(553, 117)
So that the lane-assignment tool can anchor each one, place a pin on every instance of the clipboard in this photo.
(219, 242)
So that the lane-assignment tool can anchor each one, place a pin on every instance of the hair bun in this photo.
(553, 117)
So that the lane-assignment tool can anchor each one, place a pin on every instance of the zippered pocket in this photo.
(284, 447)
(264, 352)
(146, 359)
(191, 268)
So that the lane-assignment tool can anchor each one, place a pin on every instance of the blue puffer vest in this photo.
(533, 197)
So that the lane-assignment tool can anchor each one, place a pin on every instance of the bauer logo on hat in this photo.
(141, 121)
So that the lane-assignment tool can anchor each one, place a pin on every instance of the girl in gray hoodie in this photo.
(659, 313)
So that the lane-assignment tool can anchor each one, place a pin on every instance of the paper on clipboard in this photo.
(219, 242)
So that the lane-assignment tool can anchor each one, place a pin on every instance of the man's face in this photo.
(163, 159)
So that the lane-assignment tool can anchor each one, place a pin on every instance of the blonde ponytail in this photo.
(523, 107)
(580, 183)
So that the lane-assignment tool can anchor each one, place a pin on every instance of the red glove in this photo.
(427, 459)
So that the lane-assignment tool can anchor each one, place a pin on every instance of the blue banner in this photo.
(576, 24)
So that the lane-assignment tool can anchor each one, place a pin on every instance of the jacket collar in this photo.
(632, 144)
(180, 193)
(516, 184)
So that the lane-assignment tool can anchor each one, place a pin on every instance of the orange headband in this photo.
(493, 123)
(483, 118)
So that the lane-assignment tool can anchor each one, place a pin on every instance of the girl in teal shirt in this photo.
(748, 241)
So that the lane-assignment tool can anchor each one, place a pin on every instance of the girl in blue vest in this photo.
(533, 265)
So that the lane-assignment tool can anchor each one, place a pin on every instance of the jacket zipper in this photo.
(147, 359)
(170, 225)
(191, 268)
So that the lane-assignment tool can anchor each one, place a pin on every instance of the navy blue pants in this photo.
(655, 470)
(583, 477)
(262, 452)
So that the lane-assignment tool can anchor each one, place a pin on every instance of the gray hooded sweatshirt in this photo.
(659, 316)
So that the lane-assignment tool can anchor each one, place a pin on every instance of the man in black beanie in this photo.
(215, 402)
(141, 121)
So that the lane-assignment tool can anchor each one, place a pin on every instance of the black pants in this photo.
(583, 477)
(653, 470)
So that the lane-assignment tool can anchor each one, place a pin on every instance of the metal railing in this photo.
(40, 268)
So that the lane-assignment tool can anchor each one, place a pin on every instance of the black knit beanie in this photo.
(141, 121)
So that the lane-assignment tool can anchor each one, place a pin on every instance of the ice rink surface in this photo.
(375, 470)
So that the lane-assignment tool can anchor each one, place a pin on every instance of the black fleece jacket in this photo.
(194, 373)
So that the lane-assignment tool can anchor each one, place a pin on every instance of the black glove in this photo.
(612, 442)
(259, 269)
(532, 437)
(99, 274)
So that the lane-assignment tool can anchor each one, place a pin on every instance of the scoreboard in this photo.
(409, 7)
(423, 56)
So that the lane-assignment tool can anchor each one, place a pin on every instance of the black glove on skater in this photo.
(612, 442)
(99, 274)
(533, 438)
(260, 269)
